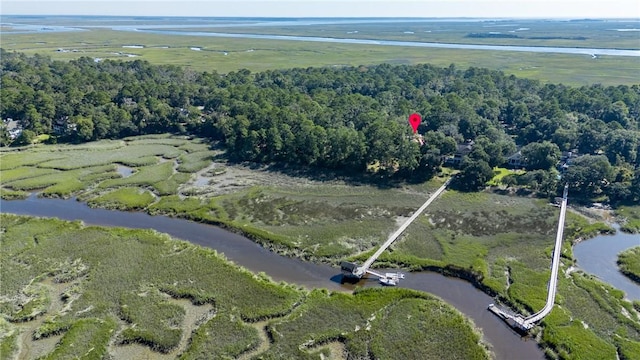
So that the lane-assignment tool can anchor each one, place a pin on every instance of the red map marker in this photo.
(414, 120)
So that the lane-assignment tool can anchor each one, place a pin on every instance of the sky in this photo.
(331, 8)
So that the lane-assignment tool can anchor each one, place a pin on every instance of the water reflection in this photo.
(125, 171)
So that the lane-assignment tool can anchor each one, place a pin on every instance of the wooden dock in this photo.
(354, 271)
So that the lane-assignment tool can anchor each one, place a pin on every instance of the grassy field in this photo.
(131, 297)
(629, 262)
(500, 173)
(224, 55)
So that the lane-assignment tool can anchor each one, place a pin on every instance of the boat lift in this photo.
(353, 271)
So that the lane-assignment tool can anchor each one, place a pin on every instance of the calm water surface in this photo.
(125, 171)
(599, 256)
(537, 49)
(505, 343)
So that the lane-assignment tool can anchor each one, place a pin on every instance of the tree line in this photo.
(347, 118)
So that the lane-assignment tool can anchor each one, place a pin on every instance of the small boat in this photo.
(391, 279)
(388, 281)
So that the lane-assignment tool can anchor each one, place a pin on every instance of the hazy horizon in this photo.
(492, 9)
(327, 17)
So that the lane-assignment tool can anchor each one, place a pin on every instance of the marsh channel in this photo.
(504, 342)
(191, 29)
(599, 256)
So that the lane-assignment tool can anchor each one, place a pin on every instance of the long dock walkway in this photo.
(526, 323)
(360, 271)
(555, 265)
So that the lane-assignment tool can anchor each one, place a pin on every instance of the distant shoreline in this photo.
(346, 18)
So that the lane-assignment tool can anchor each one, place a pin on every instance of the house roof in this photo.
(515, 156)
(465, 148)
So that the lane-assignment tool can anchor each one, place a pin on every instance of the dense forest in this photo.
(347, 118)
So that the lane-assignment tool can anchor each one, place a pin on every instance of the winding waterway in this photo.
(505, 343)
(596, 256)
(537, 49)
(170, 29)
(599, 256)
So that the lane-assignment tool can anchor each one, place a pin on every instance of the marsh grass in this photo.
(20, 173)
(501, 243)
(421, 241)
(573, 341)
(225, 335)
(588, 321)
(131, 154)
(126, 198)
(35, 302)
(12, 160)
(136, 260)
(64, 170)
(127, 274)
(159, 139)
(370, 321)
(195, 145)
(73, 181)
(145, 176)
(171, 185)
(348, 195)
(34, 183)
(173, 205)
(61, 183)
(224, 55)
(631, 218)
(505, 243)
(562, 33)
(191, 208)
(153, 320)
(580, 228)
(194, 161)
(8, 194)
(334, 240)
(628, 349)
(629, 262)
(393, 337)
(483, 233)
(86, 339)
(321, 222)
(8, 339)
